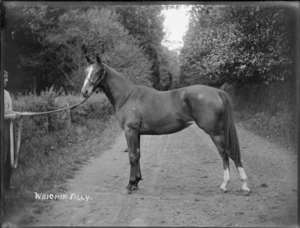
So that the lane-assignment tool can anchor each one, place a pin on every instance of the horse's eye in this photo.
(99, 73)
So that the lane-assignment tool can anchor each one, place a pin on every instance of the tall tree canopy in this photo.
(145, 23)
(45, 45)
(238, 44)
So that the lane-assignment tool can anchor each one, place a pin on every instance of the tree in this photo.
(169, 69)
(207, 44)
(100, 31)
(145, 23)
(266, 44)
(20, 44)
(238, 44)
(48, 43)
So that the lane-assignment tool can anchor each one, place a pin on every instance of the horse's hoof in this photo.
(135, 187)
(129, 188)
(246, 192)
(224, 190)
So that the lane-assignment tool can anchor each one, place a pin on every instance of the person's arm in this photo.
(9, 114)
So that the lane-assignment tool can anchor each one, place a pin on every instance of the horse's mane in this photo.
(110, 70)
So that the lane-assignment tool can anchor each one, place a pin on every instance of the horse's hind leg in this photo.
(219, 141)
(243, 175)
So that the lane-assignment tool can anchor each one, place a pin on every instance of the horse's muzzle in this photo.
(85, 93)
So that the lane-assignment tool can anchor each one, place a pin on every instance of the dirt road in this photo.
(182, 173)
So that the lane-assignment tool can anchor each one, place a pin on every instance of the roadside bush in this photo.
(96, 107)
(62, 119)
(239, 44)
(97, 31)
(35, 125)
(267, 110)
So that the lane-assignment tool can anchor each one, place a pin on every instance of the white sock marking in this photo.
(226, 179)
(226, 175)
(244, 179)
(242, 173)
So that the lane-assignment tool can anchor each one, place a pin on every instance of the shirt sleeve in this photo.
(7, 103)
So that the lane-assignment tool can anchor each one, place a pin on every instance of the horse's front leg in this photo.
(134, 157)
(138, 168)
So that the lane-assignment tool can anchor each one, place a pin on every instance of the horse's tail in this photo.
(231, 138)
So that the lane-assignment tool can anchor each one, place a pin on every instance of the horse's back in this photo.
(183, 101)
(207, 91)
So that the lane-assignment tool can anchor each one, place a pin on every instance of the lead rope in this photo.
(14, 156)
(15, 153)
(47, 112)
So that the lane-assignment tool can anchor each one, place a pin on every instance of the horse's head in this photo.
(95, 75)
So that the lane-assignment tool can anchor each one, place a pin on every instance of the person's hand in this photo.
(9, 116)
(13, 116)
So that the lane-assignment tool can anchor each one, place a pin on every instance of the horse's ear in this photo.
(88, 59)
(98, 59)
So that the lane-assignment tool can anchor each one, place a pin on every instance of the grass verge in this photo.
(55, 157)
(277, 128)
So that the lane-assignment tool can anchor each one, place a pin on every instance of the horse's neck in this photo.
(117, 89)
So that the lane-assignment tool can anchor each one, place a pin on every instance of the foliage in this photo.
(266, 44)
(169, 69)
(96, 107)
(36, 125)
(100, 31)
(238, 44)
(268, 110)
(208, 44)
(46, 44)
(47, 161)
(145, 23)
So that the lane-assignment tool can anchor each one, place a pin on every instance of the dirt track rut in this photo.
(182, 173)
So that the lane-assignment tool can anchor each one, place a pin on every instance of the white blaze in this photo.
(89, 73)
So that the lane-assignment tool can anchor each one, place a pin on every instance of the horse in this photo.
(141, 110)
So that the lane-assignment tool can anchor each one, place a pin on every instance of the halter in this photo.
(97, 81)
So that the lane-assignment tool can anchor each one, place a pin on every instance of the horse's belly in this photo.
(164, 128)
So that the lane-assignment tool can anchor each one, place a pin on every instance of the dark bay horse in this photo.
(145, 111)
